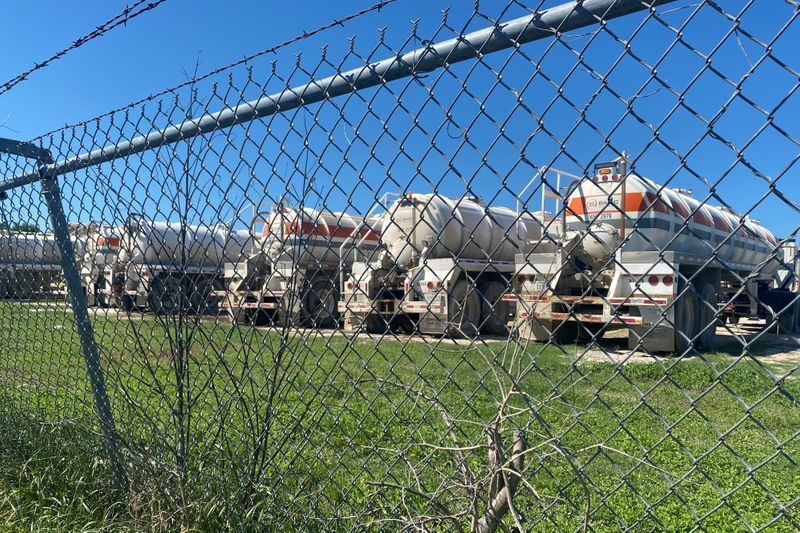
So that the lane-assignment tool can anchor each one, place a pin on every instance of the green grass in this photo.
(671, 443)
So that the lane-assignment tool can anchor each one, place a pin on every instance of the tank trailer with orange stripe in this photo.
(102, 245)
(292, 276)
(444, 267)
(654, 260)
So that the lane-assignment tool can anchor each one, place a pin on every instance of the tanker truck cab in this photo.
(644, 257)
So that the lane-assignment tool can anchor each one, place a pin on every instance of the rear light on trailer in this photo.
(668, 280)
(350, 285)
(431, 285)
(521, 278)
(653, 280)
(605, 178)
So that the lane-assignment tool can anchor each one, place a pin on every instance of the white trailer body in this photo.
(292, 275)
(103, 247)
(654, 260)
(444, 267)
(164, 266)
(30, 264)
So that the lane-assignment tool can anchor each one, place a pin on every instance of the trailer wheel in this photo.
(126, 303)
(101, 293)
(707, 315)
(787, 320)
(290, 318)
(239, 316)
(686, 318)
(376, 322)
(5, 288)
(198, 293)
(494, 310)
(253, 317)
(164, 295)
(320, 303)
(464, 310)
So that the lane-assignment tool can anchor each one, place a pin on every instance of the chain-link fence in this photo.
(526, 266)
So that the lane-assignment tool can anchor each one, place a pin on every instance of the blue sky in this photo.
(352, 157)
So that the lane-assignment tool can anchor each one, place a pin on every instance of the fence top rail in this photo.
(559, 19)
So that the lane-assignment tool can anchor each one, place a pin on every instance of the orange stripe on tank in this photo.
(309, 228)
(635, 202)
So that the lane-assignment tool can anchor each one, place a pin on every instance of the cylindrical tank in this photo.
(79, 247)
(28, 248)
(163, 243)
(103, 245)
(662, 219)
(308, 235)
(439, 227)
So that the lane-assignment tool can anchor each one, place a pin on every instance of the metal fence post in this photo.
(52, 195)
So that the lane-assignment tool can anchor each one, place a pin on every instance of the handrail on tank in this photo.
(381, 201)
(557, 195)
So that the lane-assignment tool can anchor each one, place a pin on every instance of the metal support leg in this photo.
(52, 195)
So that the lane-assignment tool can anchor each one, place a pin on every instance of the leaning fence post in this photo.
(83, 323)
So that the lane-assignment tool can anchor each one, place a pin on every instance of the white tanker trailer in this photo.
(29, 264)
(292, 275)
(443, 268)
(652, 259)
(102, 248)
(166, 266)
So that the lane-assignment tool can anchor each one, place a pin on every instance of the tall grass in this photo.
(670, 444)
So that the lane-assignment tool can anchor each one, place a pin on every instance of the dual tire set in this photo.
(315, 306)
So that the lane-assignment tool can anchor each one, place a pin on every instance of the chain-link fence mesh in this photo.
(535, 270)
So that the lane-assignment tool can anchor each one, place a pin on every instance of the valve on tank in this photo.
(599, 242)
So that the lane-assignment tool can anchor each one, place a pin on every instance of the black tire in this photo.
(239, 316)
(320, 303)
(249, 316)
(198, 293)
(289, 319)
(101, 298)
(787, 320)
(376, 322)
(164, 295)
(126, 303)
(494, 310)
(707, 315)
(464, 310)
(685, 322)
(5, 288)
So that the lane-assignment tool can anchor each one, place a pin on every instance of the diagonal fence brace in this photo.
(52, 195)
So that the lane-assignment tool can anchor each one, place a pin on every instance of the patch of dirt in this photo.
(746, 338)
